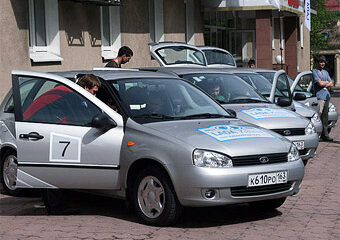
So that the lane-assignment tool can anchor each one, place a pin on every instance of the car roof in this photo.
(186, 70)
(111, 74)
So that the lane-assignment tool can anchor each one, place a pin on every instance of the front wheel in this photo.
(268, 204)
(8, 167)
(154, 198)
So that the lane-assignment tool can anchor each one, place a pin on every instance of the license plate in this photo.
(300, 145)
(267, 179)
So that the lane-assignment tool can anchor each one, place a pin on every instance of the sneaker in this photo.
(327, 139)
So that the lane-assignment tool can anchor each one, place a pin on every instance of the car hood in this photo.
(304, 110)
(268, 116)
(229, 136)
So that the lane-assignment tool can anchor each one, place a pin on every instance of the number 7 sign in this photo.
(64, 148)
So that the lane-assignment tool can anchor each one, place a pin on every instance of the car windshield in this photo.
(218, 57)
(150, 100)
(268, 75)
(260, 83)
(226, 88)
(180, 55)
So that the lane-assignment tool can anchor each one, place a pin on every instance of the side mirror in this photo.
(299, 97)
(232, 112)
(284, 101)
(102, 121)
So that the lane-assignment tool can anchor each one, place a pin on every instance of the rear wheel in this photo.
(154, 198)
(8, 167)
(268, 204)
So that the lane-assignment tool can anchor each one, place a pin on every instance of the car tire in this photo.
(268, 204)
(8, 171)
(154, 198)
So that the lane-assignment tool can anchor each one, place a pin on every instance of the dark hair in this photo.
(251, 61)
(125, 50)
(321, 59)
(89, 81)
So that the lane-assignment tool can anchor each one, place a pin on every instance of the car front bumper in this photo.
(191, 183)
(311, 143)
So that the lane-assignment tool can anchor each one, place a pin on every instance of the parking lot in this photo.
(313, 214)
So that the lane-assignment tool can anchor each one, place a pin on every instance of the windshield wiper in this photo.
(154, 116)
(206, 115)
(221, 101)
(247, 100)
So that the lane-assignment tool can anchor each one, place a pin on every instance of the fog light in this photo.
(210, 193)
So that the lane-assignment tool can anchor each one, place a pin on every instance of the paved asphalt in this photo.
(313, 214)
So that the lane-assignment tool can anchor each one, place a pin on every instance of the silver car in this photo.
(264, 87)
(165, 144)
(218, 57)
(303, 84)
(252, 107)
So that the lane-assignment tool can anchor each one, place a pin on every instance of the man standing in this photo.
(124, 56)
(322, 80)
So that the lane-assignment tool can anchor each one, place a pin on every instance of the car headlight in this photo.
(331, 107)
(293, 154)
(316, 117)
(310, 129)
(307, 104)
(203, 158)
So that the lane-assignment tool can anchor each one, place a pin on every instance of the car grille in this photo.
(255, 159)
(261, 190)
(292, 131)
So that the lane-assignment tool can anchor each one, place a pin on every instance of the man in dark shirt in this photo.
(124, 56)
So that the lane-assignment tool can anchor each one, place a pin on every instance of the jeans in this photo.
(323, 112)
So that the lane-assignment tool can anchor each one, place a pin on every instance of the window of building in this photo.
(110, 29)
(156, 20)
(44, 31)
(190, 22)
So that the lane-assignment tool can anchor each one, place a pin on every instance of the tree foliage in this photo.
(324, 32)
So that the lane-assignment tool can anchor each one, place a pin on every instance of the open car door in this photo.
(171, 54)
(280, 83)
(58, 144)
(303, 84)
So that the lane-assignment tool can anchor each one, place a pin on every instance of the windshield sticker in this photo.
(224, 133)
(64, 148)
(262, 113)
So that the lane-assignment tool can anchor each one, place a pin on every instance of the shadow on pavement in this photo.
(88, 204)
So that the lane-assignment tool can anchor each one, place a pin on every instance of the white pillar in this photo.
(337, 70)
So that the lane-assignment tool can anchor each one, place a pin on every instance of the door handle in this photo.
(31, 135)
(314, 104)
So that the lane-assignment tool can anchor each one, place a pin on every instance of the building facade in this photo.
(257, 29)
(52, 35)
(57, 35)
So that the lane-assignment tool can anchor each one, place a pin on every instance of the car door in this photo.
(304, 80)
(177, 55)
(57, 145)
(280, 82)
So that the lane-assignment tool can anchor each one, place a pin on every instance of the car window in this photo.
(225, 88)
(268, 75)
(218, 57)
(148, 100)
(282, 84)
(56, 103)
(9, 107)
(180, 55)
